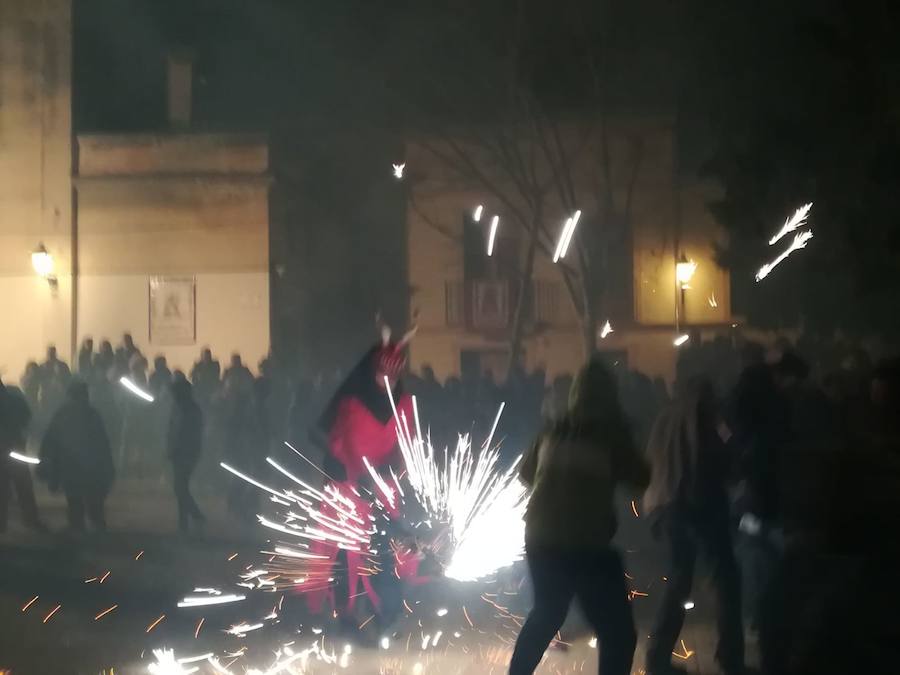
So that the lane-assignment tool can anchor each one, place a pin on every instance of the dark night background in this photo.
(782, 102)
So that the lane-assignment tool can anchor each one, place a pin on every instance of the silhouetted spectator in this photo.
(205, 377)
(14, 475)
(105, 359)
(185, 440)
(687, 505)
(125, 354)
(238, 370)
(86, 357)
(161, 379)
(240, 438)
(136, 448)
(76, 456)
(574, 467)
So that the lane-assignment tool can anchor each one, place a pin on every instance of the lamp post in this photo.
(684, 272)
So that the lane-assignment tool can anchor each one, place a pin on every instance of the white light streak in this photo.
(800, 241)
(442, 611)
(495, 221)
(681, 339)
(204, 600)
(794, 222)
(689, 605)
(565, 237)
(712, 300)
(592, 643)
(24, 458)
(398, 170)
(385, 643)
(478, 211)
(606, 330)
(134, 389)
(241, 629)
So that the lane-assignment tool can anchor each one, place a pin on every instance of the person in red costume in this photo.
(359, 423)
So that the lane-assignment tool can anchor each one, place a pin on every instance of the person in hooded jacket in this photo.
(185, 440)
(573, 468)
(687, 503)
(76, 457)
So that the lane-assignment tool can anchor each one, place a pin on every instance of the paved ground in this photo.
(145, 569)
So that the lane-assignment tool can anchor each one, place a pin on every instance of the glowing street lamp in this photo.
(42, 262)
(684, 272)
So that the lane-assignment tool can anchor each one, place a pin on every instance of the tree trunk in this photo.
(523, 297)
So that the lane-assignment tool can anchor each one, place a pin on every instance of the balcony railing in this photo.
(488, 305)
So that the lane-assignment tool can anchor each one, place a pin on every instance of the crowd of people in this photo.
(779, 475)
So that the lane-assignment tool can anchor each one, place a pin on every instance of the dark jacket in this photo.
(185, 437)
(689, 463)
(75, 452)
(575, 464)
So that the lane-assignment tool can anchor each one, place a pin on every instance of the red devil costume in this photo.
(359, 423)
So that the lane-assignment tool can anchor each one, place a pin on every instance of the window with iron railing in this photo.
(488, 305)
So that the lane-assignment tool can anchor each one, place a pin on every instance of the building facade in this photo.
(162, 235)
(465, 300)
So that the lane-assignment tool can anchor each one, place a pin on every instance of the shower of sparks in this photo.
(398, 170)
(134, 389)
(565, 237)
(800, 241)
(495, 221)
(24, 458)
(105, 612)
(712, 301)
(166, 664)
(483, 508)
(606, 330)
(478, 211)
(681, 339)
(794, 222)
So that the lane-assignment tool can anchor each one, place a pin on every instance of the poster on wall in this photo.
(173, 311)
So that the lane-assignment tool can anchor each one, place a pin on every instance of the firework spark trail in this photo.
(27, 459)
(134, 389)
(794, 222)
(485, 510)
(495, 221)
(800, 241)
(565, 237)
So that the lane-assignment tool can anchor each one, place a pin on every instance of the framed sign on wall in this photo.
(173, 310)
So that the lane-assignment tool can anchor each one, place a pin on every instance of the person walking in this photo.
(14, 475)
(185, 439)
(76, 456)
(687, 504)
(573, 468)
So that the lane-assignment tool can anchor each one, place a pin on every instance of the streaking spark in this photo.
(136, 390)
(800, 241)
(794, 222)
